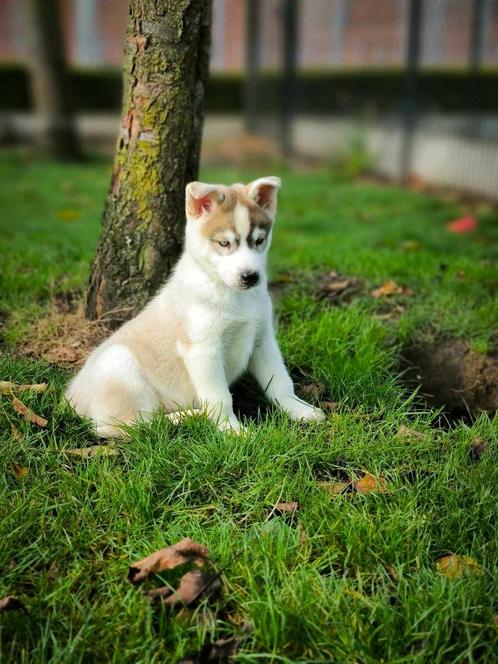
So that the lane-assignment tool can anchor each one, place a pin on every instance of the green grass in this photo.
(318, 587)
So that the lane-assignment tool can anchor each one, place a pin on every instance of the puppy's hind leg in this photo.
(116, 405)
(124, 393)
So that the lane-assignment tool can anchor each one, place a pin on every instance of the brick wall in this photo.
(332, 32)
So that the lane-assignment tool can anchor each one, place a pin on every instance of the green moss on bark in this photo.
(165, 71)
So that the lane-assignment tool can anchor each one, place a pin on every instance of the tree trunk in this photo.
(165, 71)
(49, 79)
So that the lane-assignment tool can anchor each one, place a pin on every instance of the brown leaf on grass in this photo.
(336, 286)
(7, 387)
(184, 551)
(303, 535)
(16, 434)
(19, 471)
(454, 566)
(392, 573)
(28, 414)
(391, 313)
(222, 650)
(370, 484)
(312, 390)
(193, 585)
(390, 287)
(53, 571)
(93, 451)
(495, 622)
(283, 508)
(477, 448)
(329, 406)
(241, 622)
(11, 603)
(407, 432)
(334, 488)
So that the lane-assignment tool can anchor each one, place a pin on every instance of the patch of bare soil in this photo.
(64, 336)
(452, 376)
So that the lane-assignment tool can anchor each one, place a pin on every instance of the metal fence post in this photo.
(288, 91)
(251, 97)
(411, 86)
(477, 37)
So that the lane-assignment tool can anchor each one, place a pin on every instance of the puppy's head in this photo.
(229, 228)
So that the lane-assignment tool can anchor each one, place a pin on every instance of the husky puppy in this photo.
(210, 322)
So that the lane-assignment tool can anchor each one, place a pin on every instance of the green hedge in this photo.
(317, 92)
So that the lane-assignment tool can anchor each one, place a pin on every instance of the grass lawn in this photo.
(348, 578)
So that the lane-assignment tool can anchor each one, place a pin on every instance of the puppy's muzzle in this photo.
(249, 279)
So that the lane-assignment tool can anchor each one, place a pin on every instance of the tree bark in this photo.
(49, 79)
(165, 71)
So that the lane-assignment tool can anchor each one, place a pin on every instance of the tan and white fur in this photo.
(208, 324)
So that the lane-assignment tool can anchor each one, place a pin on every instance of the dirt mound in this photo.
(453, 376)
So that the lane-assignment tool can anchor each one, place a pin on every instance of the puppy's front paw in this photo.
(310, 413)
(231, 425)
(300, 410)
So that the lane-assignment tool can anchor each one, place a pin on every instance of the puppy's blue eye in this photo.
(224, 243)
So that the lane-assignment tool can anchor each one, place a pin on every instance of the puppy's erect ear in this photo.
(264, 192)
(201, 198)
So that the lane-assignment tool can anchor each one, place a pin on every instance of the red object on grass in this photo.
(463, 225)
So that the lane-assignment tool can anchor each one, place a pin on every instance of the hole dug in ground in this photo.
(453, 377)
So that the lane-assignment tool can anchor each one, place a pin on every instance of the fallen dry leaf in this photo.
(407, 432)
(329, 405)
(283, 278)
(7, 387)
(334, 488)
(93, 451)
(53, 571)
(370, 484)
(392, 573)
(477, 448)
(28, 414)
(454, 566)
(463, 225)
(222, 650)
(390, 287)
(11, 603)
(192, 586)
(312, 390)
(283, 508)
(184, 551)
(336, 286)
(303, 535)
(19, 471)
(16, 434)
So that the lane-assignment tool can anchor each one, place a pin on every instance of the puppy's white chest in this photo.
(238, 345)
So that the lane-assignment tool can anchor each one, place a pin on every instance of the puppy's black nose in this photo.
(249, 279)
